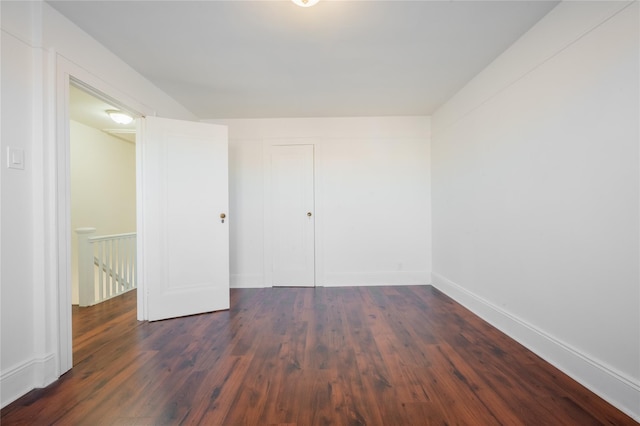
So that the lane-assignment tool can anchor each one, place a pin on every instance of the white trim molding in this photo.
(20, 379)
(612, 386)
(247, 281)
(375, 279)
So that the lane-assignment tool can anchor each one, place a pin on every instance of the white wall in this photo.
(372, 212)
(536, 195)
(38, 46)
(103, 187)
(17, 206)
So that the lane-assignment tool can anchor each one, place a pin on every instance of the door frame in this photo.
(67, 72)
(268, 204)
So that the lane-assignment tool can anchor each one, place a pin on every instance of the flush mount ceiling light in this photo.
(305, 3)
(119, 116)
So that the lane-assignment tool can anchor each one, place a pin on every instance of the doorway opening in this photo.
(102, 182)
(165, 147)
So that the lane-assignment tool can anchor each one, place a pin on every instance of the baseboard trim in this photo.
(246, 281)
(35, 373)
(374, 279)
(612, 386)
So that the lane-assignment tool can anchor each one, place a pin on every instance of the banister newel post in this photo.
(86, 290)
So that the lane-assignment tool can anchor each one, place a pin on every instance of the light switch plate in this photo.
(15, 158)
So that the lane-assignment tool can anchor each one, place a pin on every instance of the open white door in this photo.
(184, 250)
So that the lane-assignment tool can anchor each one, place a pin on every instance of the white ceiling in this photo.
(91, 111)
(252, 59)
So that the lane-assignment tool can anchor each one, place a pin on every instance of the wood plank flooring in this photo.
(303, 356)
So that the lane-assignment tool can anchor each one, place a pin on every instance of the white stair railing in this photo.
(106, 265)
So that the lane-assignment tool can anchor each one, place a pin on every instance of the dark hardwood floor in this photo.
(297, 356)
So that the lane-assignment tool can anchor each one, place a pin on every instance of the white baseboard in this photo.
(35, 373)
(355, 279)
(246, 281)
(612, 386)
(373, 279)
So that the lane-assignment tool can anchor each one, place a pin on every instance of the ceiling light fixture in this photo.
(119, 116)
(305, 3)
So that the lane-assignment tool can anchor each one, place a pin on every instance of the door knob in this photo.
(309, 214)
(222, 216)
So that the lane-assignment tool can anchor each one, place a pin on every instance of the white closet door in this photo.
(292, 216)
